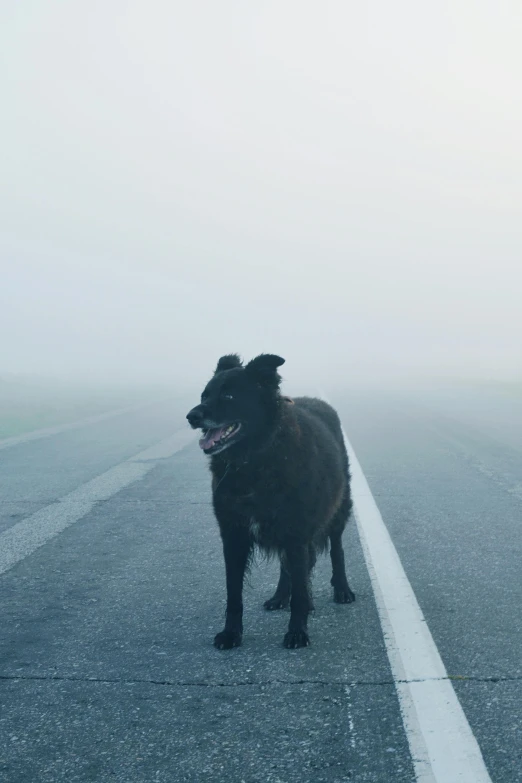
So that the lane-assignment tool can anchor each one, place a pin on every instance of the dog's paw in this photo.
(295, 639)
(227, 639)
(276, 602)
(343, 595)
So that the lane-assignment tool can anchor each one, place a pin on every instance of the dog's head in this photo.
(239, 404)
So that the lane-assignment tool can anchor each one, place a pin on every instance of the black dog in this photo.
(280, 479)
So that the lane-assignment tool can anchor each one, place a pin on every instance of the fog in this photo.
(335, 182)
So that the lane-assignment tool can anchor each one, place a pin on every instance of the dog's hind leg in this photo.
(281, 597)
(342, 592)
(237, 549)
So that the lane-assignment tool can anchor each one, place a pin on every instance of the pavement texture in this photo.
(445, 469)
(107, 668)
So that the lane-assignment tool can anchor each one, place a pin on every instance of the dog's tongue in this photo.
(211, 438)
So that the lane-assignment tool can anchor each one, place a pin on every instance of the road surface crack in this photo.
(248, 683)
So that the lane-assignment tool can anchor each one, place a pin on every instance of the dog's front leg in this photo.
(297, 561)
(236, 549)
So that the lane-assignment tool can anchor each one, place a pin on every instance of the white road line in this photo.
(35, 530)
(46, 432)
(442, 745)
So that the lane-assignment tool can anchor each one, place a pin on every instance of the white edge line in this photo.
(442, 745)
(22, 539)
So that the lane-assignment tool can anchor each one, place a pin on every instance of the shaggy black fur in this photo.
(280, 480)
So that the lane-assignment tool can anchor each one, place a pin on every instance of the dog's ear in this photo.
(264, 369)
(228, 362)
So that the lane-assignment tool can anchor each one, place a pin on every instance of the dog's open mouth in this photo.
(219, 438)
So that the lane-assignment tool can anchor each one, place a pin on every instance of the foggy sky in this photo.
(335, 182)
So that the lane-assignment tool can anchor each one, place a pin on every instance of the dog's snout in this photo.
(195, 416)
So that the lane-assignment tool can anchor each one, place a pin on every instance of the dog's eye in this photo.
(228, 396)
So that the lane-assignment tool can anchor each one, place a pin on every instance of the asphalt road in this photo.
(107, 669)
